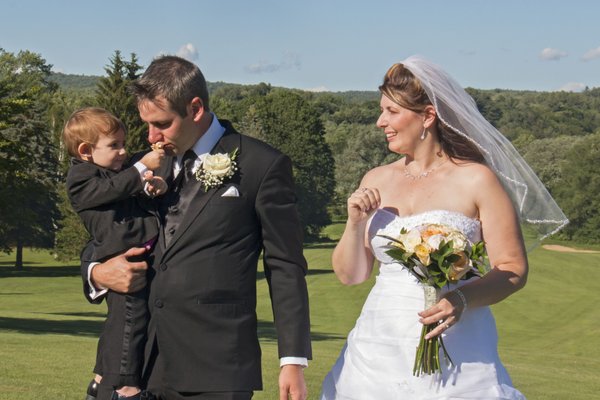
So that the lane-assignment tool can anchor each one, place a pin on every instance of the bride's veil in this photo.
(538, 212)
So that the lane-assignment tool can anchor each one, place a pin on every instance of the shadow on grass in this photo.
(261, 274)
(45, 326)
(266, 329)
(267, 333)
(14, 293)
(40, 272)
(320, 245)
(81, 314)
(12, 263)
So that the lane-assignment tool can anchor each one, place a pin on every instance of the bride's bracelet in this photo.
(462, 298)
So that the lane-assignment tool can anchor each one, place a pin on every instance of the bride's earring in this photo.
(423, 134)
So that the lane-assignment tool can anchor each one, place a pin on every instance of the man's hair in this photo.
(175, 79)
(86, 125)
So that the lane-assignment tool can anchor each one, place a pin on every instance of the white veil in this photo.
(537, 210)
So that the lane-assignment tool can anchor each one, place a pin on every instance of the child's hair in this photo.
(86, 125)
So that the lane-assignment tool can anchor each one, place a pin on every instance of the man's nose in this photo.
(154, 134)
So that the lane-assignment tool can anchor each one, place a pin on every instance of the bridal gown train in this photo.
(377, 361)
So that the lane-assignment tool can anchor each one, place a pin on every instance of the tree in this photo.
(71, 236)
(29, 168)
(113, 95)
(547, 158)
(578, 195)
(357, 148)
(70, 232)
(289, 123)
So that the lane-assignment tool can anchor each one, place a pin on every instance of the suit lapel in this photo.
(227, 144)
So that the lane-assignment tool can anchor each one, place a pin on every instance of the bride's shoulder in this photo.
(475, 174)
(381, 173)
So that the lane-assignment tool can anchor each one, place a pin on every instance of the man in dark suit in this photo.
(230, 198)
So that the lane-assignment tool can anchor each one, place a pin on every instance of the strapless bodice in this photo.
(384, 222)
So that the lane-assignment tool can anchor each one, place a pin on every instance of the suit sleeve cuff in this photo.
(302, 361)
(94, 291)
(142, 170)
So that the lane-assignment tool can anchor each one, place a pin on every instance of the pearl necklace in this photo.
(422, 174)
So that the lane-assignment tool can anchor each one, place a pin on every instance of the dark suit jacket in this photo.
(203, 284)
(107, 204)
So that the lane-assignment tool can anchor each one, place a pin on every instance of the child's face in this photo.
(109, 152)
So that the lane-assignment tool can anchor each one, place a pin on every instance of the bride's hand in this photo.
(446, 311)
(362, 203)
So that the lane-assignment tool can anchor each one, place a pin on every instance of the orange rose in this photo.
(459, 268)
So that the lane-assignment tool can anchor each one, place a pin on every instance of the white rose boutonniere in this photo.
(216, 168)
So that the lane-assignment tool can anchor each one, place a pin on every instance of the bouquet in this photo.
(436, 255)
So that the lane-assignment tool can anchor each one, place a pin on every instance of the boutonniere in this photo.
(216, 168)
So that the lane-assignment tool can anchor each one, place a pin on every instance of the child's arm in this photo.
(153, 159)
(154, 185)
(88, 187)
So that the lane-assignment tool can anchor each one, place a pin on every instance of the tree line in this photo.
(330, 137)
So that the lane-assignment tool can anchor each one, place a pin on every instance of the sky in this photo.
(320, 45)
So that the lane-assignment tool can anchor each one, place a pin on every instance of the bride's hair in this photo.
(404, 89)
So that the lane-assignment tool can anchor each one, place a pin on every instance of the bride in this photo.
(458, 171)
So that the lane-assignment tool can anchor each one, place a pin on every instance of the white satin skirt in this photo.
(377, 360)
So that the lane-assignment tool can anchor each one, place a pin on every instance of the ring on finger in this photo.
(446, 326)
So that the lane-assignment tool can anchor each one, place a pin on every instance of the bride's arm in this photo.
(504, 245)
(352, 259)
(506, 252)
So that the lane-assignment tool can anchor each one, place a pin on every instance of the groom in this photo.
(219, 214)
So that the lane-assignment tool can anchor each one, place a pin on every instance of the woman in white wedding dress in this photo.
(459, 171)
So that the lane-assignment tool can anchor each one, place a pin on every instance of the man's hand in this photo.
(291, 383)
(121, 275)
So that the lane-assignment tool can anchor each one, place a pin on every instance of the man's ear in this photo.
(85, 151)
(197, 106)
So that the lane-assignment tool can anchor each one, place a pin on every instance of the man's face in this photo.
(178, 134)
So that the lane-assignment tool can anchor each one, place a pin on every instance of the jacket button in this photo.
(163, 267)
(173, 210)
(158, 303)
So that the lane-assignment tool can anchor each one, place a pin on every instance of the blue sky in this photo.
(331, 45)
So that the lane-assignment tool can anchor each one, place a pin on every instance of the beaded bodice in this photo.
(384, 222)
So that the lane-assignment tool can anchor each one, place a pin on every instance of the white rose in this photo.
(410, 240)
(434, 241)
(459, 240)
(218, 165)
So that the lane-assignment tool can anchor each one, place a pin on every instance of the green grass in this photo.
(549, 332)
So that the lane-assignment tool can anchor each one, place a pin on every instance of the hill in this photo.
(70, 82)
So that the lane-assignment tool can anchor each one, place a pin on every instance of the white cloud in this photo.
(261, 67)
(572, 87)
(591, 54)
(289, 61)
(550, 54)
(188, 51)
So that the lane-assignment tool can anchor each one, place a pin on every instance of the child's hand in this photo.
(155, 184)
(153, 160)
